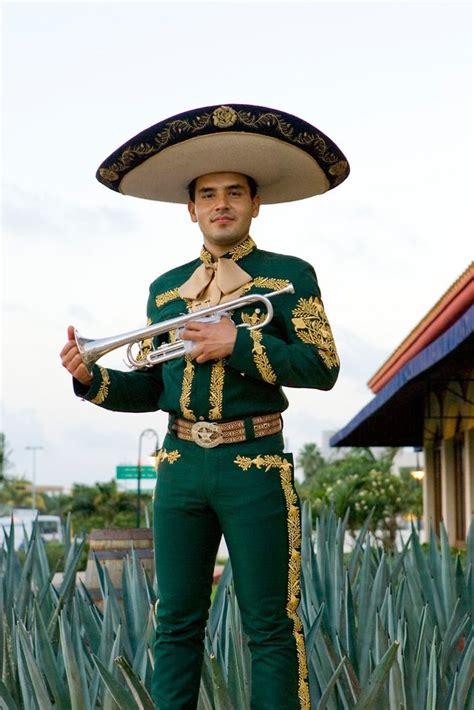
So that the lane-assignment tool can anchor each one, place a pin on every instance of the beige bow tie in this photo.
(215, 283)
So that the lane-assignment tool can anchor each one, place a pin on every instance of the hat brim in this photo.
(287, 157)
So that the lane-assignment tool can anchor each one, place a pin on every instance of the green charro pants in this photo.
(245, 492)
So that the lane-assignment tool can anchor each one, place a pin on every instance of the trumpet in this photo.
(92, 350)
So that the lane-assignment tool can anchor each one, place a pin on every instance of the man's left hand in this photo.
(212, 341)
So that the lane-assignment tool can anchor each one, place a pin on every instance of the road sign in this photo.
(131, 472)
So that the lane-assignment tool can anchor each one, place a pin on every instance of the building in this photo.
(424, 397)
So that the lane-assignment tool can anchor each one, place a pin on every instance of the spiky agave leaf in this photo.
(120, 693)
(368, 699)
(136, 687)
(72, 667)
(7, 701)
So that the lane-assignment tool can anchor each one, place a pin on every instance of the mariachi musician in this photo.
(222, 469)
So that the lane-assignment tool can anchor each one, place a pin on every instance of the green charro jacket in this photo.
(296, 349)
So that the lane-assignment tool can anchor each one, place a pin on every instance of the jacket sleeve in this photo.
(137, 391)
(301, 351)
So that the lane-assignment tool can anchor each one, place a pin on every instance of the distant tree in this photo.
(5, 454)
(310, 460)
(16, 492)
(100, 505)
(360, 482)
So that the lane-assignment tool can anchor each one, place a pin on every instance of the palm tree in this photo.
(4, 456)
(310, 460)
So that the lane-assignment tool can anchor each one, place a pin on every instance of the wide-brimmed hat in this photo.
(287, 157)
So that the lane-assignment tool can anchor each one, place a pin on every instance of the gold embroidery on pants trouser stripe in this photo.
(103, 392)
(170, 456)
(294, 565)
(185, 398)
(216, 390)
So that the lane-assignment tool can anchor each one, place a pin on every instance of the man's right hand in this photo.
(72, 361)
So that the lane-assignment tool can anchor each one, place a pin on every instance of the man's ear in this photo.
(256, 205)
(192, 211)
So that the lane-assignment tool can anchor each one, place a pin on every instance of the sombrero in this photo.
(287, 157)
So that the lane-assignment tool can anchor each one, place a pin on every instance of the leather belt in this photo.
(210, 434)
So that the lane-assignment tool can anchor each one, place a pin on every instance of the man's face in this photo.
(223, 209)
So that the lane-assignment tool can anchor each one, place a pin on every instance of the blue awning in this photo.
(395, 416)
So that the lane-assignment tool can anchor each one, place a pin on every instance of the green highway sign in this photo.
(131, 472)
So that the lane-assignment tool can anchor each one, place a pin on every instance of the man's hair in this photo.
(253, 187)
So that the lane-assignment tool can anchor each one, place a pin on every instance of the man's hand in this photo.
(213, 341)
(72, 361)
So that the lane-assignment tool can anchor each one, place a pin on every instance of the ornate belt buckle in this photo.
(206, 434)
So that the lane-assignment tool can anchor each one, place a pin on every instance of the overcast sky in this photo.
(390, 83)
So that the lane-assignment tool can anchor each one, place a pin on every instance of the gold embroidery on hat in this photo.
(294, 562)
(224, 117)
(167, 296)
(216, 390)
(170, 456)
(103, 392)
(312, 327)
(184, 129)
(185, 398)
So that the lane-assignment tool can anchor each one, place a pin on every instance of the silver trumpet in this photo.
(92, 350)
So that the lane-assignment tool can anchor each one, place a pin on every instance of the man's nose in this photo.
(222, 201)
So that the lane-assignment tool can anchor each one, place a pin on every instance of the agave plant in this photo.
(380, 629)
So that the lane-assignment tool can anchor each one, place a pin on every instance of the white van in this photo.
(50, 527)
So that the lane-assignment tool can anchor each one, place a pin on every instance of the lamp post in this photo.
(418, 474)
(33, 450)
(145, 433)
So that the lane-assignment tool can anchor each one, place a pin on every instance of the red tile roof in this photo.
(444, 313)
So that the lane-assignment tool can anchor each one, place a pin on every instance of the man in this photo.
(222, 468)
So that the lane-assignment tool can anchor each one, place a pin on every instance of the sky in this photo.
(390, 83)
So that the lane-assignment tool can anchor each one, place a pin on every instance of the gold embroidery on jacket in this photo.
(185, 398)
(206, 256)
(242, 249)
(145, 346)
(103, 392)
(170, 456)
(312, 327)
(216, 390)
(238, 252)
(266, 282)
(166, 297)
(260, 358)
(294, 562)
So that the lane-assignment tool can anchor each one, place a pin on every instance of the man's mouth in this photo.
(222, 218)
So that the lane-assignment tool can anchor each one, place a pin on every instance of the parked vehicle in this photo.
(49, 526)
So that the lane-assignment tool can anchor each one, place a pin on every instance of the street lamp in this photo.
(145, 433)
(33, 450)
(418, 474)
